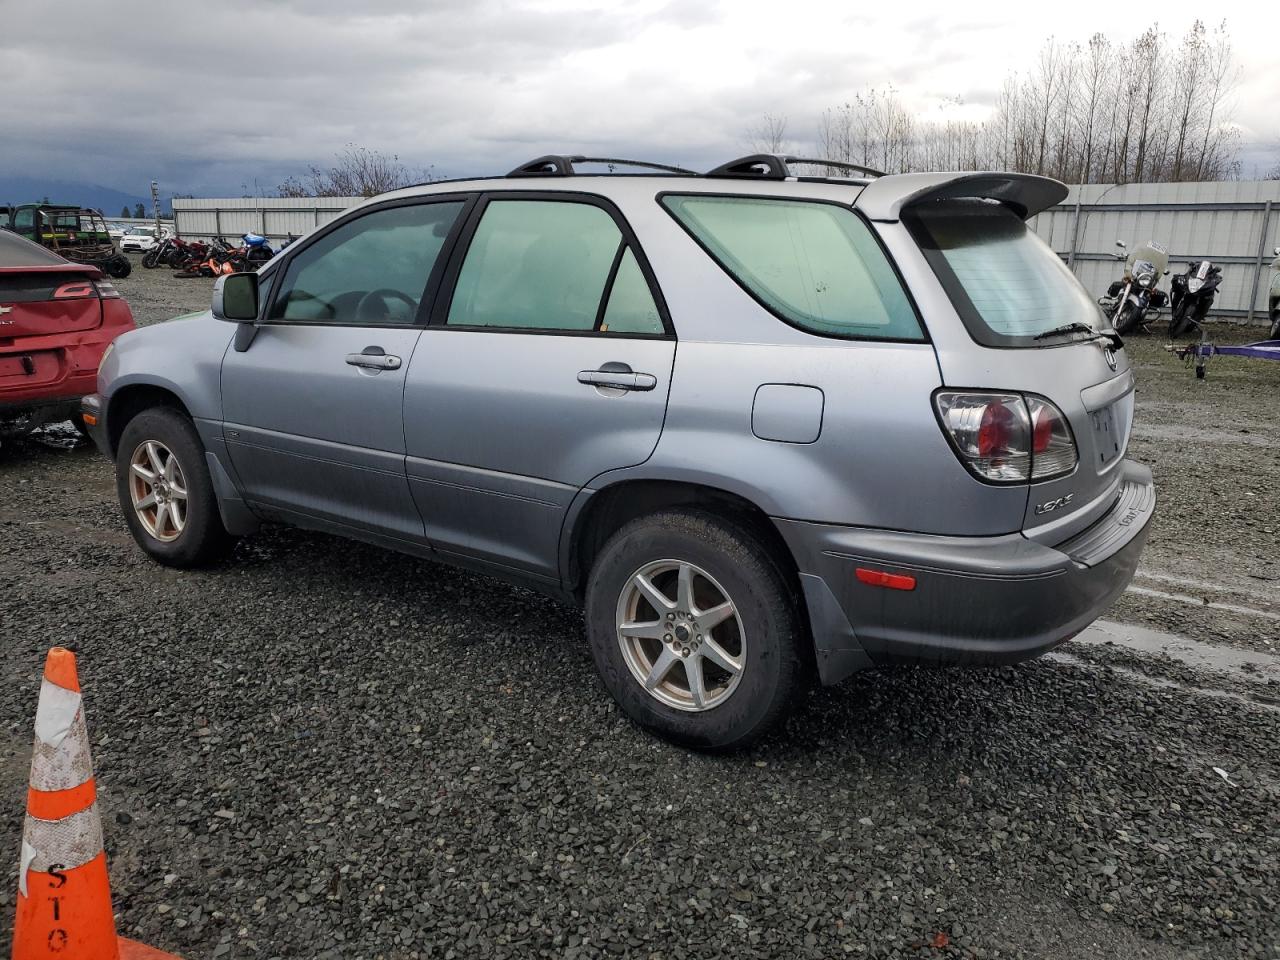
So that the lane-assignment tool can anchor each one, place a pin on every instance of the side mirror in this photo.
(235, 297)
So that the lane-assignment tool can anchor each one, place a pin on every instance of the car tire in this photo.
(760, 634)
(151, 438)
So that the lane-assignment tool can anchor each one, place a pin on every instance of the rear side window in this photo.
(555, 266)
(1005, 282)
(816, 265)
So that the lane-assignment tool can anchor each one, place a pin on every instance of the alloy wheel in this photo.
(681, 635)
(158, 490)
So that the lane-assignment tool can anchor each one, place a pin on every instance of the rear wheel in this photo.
(118, 267)
(693, 629)
(166, 492)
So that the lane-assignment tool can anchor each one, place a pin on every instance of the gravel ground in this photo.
(322, 750)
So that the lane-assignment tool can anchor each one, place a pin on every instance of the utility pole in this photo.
(155, 205)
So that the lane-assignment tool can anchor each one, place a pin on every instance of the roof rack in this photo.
(554, 165)
(768, 166)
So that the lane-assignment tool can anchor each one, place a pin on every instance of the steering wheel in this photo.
(365, 308)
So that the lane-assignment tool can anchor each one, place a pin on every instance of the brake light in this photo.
(1053, 449)
(1006, 437)
(76, 290)
(106, 290)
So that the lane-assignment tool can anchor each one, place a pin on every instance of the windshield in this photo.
(1005, 282)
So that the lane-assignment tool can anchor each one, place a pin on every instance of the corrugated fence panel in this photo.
(1222, 222)
(277, 217)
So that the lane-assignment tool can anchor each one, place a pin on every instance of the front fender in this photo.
(183, 357)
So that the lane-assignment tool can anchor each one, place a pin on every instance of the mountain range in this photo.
(14, 190)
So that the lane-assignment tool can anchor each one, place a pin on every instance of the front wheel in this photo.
(1126, 319)
(1275, 326)
(151, 259)
(1178, 322)
(693, 629)
(166, 492)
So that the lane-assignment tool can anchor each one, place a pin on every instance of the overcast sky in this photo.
(209, 97)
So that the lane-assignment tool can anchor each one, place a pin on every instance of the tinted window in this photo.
(631, 308)
(371, 270)
(1007, 285)
(536, 264)
(816, 265)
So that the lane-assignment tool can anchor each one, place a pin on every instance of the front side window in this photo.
(552, 265)
(816, 265)
(372, 270)
(1007, 285)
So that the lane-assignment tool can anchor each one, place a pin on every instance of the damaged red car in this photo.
(57, 320)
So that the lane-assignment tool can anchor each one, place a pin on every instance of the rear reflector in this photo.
(881, 578)
(89, 418)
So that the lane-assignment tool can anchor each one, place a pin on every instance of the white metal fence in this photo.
(274, 217)
(1234, 224)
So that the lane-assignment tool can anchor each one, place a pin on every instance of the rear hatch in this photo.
(1032, 331)
(44, 303)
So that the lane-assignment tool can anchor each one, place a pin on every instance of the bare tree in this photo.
(357, 172)
(1107, 111)
(769, 135)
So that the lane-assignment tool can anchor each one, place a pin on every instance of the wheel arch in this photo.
(604, 511)
(130, 400)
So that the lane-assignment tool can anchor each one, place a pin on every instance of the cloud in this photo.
(211, 98)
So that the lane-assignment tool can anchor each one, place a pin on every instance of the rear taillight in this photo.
(76, 290)
(1006, 437)
(106, 290)
(1053, 449)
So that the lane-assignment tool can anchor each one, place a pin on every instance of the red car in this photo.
(56, 320)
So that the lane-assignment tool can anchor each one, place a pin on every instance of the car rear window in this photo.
(16, 251)
(815, 265)
(1006, 283)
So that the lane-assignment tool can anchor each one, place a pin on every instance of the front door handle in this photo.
(619, 376)
(373, 358)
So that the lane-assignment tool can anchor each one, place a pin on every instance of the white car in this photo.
(138, 239)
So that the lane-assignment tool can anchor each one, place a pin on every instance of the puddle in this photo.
(1183, 434)
(1247, 665)
(1164, 683)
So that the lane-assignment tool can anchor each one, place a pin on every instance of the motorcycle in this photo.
(1273, 300)
(1129, 299)
(257, 250)
(1193, 293)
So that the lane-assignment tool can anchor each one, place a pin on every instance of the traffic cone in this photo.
(64, 896)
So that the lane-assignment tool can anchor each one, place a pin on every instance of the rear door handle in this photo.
(373, 358)
(619, 376)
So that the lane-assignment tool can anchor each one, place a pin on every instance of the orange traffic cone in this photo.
(64, 896)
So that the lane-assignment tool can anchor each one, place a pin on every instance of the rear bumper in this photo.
(986, 600)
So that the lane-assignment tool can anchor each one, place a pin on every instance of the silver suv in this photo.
(760, 425)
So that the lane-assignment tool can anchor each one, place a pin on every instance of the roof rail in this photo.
(837, 164)
(553, 165)
(768, 166)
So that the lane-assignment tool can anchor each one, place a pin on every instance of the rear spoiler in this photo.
(886, 198)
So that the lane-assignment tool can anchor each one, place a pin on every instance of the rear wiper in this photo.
(1076, 326)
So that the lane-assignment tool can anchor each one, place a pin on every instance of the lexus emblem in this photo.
(1110, 356)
